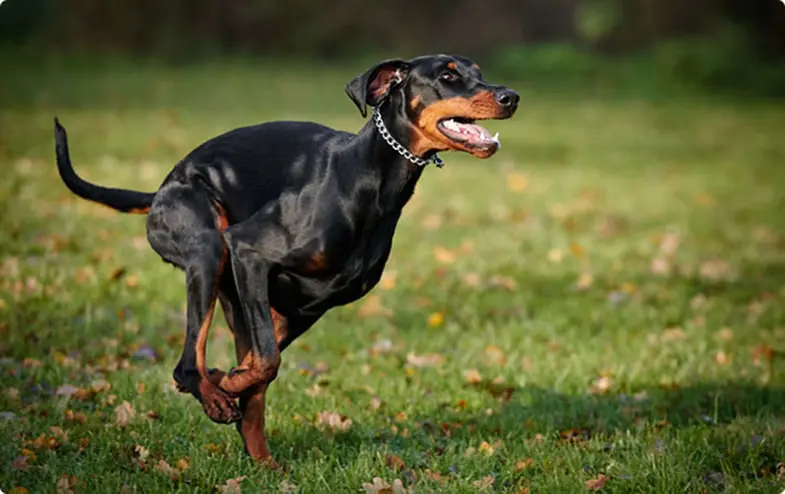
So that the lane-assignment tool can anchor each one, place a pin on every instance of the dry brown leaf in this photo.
(555, 255)
(72, 416)
(388, 281)
(376, 403)
(443, 255)
(18, 490)
(333, 421)
(516, 182)
(432, 222)
(425, 360)
(660, 266)
(287, 487)
(163, 467)
(674, 334)
(182, 464)
(602, 385)
(124, 414)
(523, 464)
(597, 483)
(373, 307)
(66, 484)
(20, 463)
(585, 281)
(484, 483)
(232, 486)
(495, 355)
(472, 376)
(721, 358)
(472, 280)
(395, 462)
(499, 281)
(487, 448)
(141, 452)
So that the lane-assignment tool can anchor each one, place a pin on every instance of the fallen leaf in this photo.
(436, 477)
(472, 280)
(18, 490)
(20, 463)
(124, 413)
(378, 486)
(232, 486)
(72, 416)
(435, 320)
(182, 465)
(523, 464)
(66, 390)
(381, 347)
(163, 467)
(499, 281)
(721, 358)
(388, 280)
(425, 360)
(597, 483)
(602, 385)
(443, 255)
(333, 421)
(484, 483)
(432, 222)
(141, 452)
(495, 355)
(674, 334)
(516, 182)
(762, 353)
(66, 484)
(660, 266)
(585, 281)
(287, 487)
(395, 462)
(487, 448)
(373, 307)
(472, 376)
(376, 403)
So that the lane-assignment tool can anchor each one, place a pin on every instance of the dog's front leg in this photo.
(251, 263)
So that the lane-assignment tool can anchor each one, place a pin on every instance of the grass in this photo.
(601, 302)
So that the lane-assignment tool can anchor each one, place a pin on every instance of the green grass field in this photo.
(599, 306)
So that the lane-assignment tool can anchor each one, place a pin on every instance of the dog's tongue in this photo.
(473, 133)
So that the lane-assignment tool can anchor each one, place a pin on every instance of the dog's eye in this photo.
(449, 76)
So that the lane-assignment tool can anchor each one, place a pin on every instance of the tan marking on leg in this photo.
(252, 427)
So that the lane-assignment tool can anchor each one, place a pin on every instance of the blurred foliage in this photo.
(725, 61)
(645, 45)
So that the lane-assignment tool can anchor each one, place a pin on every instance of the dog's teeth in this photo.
(496, 139)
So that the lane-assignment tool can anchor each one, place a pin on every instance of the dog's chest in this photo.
(346, 273)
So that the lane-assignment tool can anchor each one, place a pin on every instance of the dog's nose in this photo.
(507, 98)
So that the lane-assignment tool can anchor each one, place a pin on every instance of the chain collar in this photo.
(398, 147)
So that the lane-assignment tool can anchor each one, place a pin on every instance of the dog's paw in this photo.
(219, 406)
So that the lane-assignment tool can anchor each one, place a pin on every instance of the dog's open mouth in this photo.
(465, 132)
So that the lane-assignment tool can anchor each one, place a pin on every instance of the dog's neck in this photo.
(398, 175)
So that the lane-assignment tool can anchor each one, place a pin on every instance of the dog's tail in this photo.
(127, 201)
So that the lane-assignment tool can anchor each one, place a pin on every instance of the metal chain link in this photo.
(397, 146)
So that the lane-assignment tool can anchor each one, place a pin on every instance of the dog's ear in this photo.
(372, 87)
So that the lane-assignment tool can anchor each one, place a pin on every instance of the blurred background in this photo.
(728, 45)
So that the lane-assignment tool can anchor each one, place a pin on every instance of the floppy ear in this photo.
(375, 84)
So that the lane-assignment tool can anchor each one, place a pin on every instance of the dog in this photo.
(282, 221)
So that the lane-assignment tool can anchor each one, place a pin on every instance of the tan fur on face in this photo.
(427, 136)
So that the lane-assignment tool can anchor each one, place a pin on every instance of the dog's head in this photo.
(440, 97)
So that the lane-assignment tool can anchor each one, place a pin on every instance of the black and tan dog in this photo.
(284, 220)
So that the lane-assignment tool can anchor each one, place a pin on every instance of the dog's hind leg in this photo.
(182, 228)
